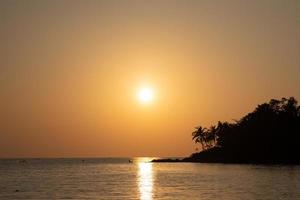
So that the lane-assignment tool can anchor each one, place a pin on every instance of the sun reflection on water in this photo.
(145, 180)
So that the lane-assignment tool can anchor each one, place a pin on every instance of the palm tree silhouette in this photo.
(211, 136)
(199, 136)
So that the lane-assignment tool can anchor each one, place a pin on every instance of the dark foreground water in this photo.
(114, 178)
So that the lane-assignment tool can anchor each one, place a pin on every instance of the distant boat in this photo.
(130, 161)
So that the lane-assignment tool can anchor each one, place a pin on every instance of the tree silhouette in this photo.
(199, 136)
(269, 134)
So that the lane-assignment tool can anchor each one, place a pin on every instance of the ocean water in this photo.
(116, 178)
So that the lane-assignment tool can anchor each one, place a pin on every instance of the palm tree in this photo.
(212, 136)
(222, 130)
(219, 128)
(199, 136)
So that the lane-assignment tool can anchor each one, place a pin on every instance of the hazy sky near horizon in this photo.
(70, 71)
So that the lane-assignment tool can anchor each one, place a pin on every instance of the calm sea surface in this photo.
(116, 178)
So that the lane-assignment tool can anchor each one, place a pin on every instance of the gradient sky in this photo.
(70, 71)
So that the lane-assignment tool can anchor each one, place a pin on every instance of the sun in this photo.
(145, 95)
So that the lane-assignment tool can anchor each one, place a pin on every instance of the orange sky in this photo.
(70, 71)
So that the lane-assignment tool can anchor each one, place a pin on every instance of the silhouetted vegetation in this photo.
(269, 134)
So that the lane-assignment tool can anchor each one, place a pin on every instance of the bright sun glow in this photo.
(145, 95)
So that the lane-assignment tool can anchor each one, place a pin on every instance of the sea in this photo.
(137, 178)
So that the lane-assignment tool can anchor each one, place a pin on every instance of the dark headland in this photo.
(268, 135)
